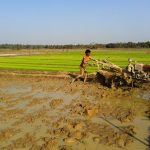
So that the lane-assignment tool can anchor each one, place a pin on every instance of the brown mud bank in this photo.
(49, 113)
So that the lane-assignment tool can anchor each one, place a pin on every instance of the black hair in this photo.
(87, 51)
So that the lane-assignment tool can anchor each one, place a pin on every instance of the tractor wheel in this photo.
(118, 82)
(101, 79)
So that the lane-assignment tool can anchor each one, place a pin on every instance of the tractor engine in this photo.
(139, 71)
(138, 67)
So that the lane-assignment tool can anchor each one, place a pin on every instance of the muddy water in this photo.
(144, 95)
(45, 113)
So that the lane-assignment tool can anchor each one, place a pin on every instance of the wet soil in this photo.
(47, 113)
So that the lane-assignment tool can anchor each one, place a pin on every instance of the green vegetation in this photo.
(70, 61)
(78, 46)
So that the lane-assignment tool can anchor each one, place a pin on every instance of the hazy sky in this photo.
(74, 21)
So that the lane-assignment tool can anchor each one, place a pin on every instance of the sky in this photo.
(74, 21)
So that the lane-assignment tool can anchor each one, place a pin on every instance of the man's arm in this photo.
(93, 59)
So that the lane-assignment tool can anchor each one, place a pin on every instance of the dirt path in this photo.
(2, 55)
(50, 113)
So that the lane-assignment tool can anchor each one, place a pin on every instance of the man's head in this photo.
(87, 52)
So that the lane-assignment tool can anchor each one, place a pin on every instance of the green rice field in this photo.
(69, 61)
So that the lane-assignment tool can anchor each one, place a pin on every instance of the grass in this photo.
(69, 61)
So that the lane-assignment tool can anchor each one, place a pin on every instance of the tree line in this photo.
(77, 46)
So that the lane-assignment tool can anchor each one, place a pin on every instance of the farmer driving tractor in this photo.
(83, 65)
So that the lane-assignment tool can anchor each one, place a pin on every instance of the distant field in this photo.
(69, 61)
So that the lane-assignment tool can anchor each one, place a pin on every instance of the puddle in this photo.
(67, 99)
(144, 95)
(2, 104)
(20, 89)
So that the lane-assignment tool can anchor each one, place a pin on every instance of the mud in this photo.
(45, 113)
